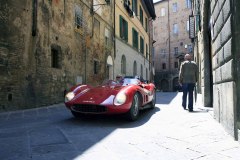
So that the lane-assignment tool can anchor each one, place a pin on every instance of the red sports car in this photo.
(128, 97)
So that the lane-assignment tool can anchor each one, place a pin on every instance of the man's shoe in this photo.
(190, 110)
(184, 108)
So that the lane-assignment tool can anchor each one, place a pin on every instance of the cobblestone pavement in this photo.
(165, 133)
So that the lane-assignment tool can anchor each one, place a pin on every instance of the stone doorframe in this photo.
(236, 54)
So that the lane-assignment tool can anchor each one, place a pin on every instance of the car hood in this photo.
(98, 95)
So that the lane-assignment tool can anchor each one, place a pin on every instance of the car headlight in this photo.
(69, 96)
(120, 98)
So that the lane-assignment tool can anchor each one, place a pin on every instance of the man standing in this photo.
(188, 76)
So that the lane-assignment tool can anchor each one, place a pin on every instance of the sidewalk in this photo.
(199, 136)
(165, 133)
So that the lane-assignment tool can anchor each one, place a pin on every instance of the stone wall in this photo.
(222, 63)
(43, 52)
(236, 50)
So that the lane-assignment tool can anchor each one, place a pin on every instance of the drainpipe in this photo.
(114, 35)
(169, 46)
(169, 41)
(92, 14)
(34, 18)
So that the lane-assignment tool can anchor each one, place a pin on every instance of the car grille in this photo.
(86, 108)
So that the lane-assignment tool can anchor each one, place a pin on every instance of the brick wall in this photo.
(166, 78)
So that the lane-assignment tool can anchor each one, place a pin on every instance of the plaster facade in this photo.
(124, 45)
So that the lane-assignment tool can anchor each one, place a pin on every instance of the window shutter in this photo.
(133, 37)
(126, 31)
(121, 26)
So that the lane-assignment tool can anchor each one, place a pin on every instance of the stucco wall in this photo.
(131, 55)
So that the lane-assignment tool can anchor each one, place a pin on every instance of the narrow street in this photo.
(165, 133)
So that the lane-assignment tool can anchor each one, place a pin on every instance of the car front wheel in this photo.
(76, 114)
(134, 110)
(153, 100)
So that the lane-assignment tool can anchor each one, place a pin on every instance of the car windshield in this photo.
(124, 82)
(128, 81)
(109, 82)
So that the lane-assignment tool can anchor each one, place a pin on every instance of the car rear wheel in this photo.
(153, 100)
(134, 110)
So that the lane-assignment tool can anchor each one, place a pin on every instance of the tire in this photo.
(154, 100)
(133, 113)
(76, 114)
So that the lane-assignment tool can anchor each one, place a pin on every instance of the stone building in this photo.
(133, 40)
(171, 33)
(217, 51)
(48, 46)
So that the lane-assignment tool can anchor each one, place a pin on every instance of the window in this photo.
(189, 47)
(141, 45)
(187, 28)
(175, 50)
(164, 66)
(175, 64)
(107, 37)
(141, 15)
(163, 12)
(175, 7)
(153, 53)
(96, 28)
(56, 56)
(135, 68)
(95, 67)
(175, 28)
(146, 74)
(123, 65)
(78, 17)
(163, 53)
(146, 24)
(147, 54)
(135, 38)
(134, 6)
(189, 3)
(123, 29)
(155, 30)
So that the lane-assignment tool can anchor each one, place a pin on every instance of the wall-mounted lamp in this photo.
(191, 27)
(101, 4)
(154, 41)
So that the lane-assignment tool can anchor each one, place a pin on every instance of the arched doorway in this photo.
(175, 84)
(135, 68)
(109, 71)
(164, 85)
(123, 65)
